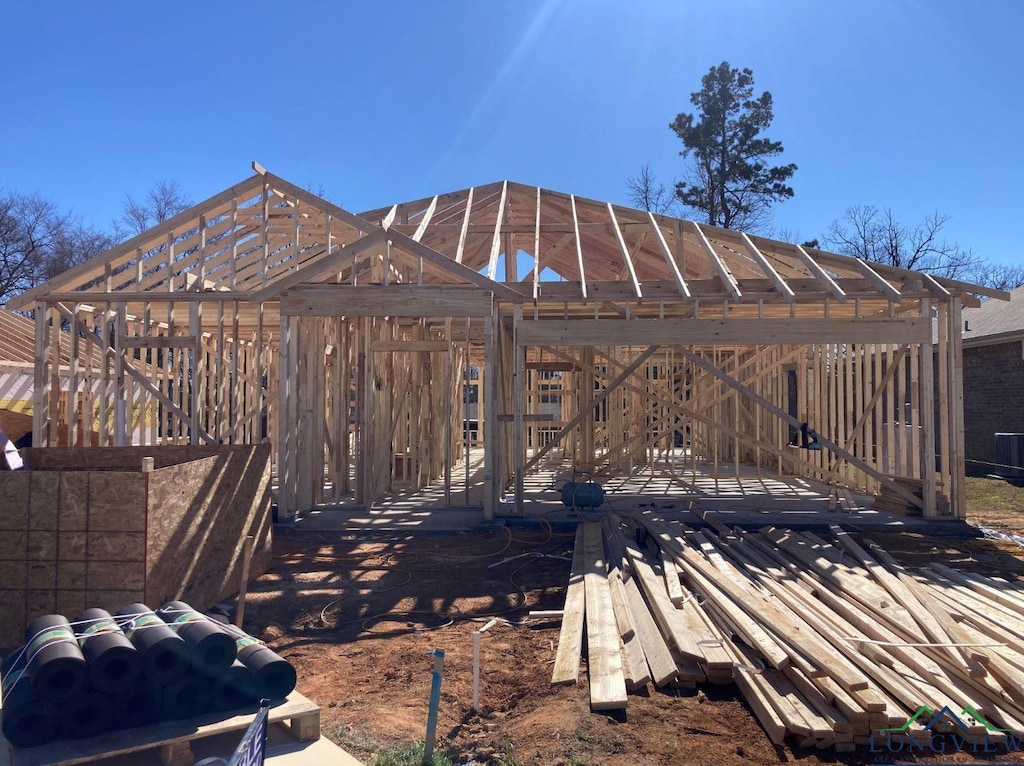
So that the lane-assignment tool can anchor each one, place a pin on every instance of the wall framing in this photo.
(268, 314)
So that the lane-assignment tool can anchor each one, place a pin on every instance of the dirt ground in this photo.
(359, 617)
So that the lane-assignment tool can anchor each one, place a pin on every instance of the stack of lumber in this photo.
(889, 501)
(829, 640)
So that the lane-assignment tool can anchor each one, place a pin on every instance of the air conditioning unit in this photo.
(1010, 456)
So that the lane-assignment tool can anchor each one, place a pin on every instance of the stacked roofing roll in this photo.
(102, 672)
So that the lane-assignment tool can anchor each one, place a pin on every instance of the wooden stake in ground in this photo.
(244, 585)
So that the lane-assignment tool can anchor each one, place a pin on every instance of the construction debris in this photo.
(830, 640)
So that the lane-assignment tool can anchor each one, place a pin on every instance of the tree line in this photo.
(730, 180)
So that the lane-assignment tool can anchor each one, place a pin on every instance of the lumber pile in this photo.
(829, 640)
(889, 501)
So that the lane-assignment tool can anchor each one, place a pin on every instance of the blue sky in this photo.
(911, 104)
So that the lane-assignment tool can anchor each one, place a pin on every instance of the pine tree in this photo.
(729, 180)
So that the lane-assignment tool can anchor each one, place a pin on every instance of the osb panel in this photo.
(116, 546)
(72, 546)
(117, 458)
(107, 575)
(43, 500)
(13, 545)
(42, 545)
(117, 501)
(112, 600)
(14, 491)
(42, 574)
(12, 575)
(72, 603)
(74, 501)
(38, 602)
(199, 515)
(70, 575)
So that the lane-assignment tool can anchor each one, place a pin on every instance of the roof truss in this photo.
(265, 235)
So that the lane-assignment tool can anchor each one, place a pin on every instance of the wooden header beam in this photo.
(390, 300)
(711, 332)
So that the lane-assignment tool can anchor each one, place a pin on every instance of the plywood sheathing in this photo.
(91, 528)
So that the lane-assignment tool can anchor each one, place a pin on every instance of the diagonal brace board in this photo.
(777, 411)
(586, 411)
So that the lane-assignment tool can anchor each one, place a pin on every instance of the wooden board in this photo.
(604, 662)
(570, 637)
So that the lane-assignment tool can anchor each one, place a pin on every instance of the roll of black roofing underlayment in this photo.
(165, 654)
(275, 676)
(213, 648)
(25, 720)
(233, 688)
(186, 697)
(86, 715)
(138, 706)
(114, 663)
(57, 668)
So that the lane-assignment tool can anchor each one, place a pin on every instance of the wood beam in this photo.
(748, 332)
(464, 231)
(728, 280)
(579, 247)
(392, 300)
(625, 252)
(766, 266)
(492, 263)
(673, 267)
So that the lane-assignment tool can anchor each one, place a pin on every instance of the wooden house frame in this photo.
(266, 312)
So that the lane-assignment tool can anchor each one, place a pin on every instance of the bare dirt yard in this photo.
(359, 616)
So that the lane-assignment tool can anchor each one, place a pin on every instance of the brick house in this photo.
(993, 385)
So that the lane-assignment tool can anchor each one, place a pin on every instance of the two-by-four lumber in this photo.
(570, 638)
(656, 650)
(634, 661)
(663, 610)
(715, 589)
(935, 623)
(604, 661)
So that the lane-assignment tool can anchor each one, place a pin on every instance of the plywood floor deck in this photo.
(750, 500)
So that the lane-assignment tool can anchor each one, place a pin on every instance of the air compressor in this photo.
(582, 494)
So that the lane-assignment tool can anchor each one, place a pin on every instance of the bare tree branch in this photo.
(646, 193)
(165, 200)
(877, 235)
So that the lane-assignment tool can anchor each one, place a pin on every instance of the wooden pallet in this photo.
(171, 738)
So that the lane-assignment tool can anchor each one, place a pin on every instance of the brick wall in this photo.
(993, 399)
